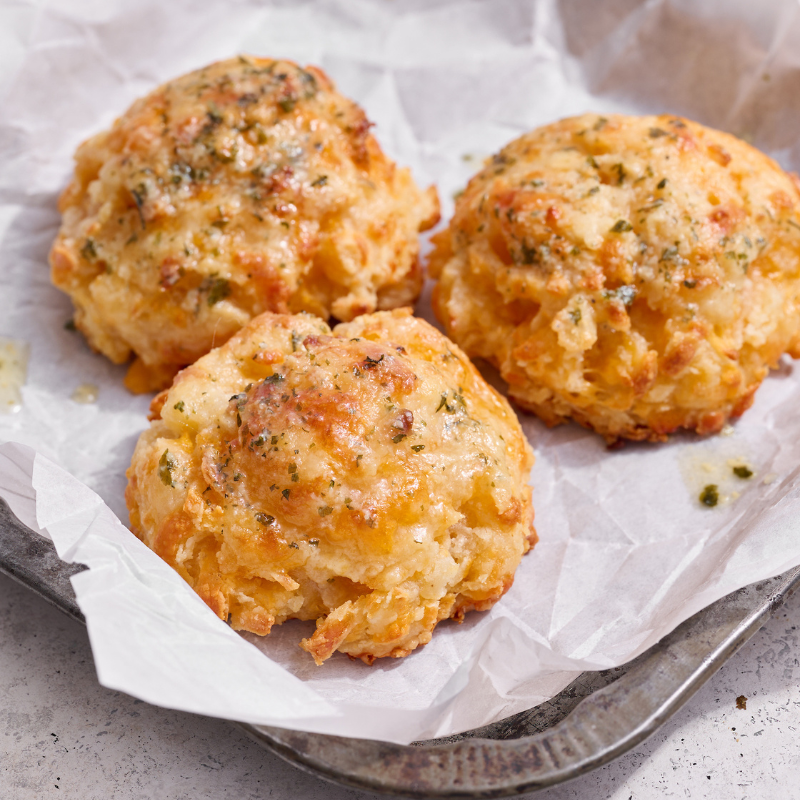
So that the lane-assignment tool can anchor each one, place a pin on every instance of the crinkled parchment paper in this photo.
(627, 552)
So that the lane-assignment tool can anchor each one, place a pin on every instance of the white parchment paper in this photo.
(627, 552)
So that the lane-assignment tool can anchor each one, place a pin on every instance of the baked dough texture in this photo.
(636, 274)
(248, 186)
(367, 478)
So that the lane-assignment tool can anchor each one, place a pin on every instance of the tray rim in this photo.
(562, 740)
(483, 763)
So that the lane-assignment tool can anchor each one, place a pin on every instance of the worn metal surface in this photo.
(33, 561)
(595, 719)
(599, 717)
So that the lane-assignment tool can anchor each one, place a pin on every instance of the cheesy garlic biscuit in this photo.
(366, 478)
(636, 274)
(248, 186)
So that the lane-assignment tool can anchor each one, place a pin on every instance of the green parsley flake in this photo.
(89, 251)
(166, 464)
(219, 289)
(710, 495)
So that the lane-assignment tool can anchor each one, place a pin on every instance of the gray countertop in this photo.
(63, 735)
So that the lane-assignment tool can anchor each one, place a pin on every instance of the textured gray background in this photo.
(63, 735)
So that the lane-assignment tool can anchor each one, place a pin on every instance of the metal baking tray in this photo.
(597, 718)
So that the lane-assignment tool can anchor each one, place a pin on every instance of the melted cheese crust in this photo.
(367, 478)
(248, 186)
(636, 274)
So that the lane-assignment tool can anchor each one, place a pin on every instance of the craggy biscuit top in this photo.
(246, 186)
(638, 274)
(366, 477)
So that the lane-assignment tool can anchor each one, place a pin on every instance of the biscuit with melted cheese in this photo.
(248, 186)
(636, 274)
(367, 478)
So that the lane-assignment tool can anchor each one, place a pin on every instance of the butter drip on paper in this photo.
(86, 393)
(704, 468)
(13, 372)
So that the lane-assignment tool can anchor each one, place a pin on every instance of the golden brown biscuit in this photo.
(367, 478)
(636, 274)
(250, 185)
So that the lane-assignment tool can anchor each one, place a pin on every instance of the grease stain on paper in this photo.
(14, 355)
(717, 471)
(86, 393)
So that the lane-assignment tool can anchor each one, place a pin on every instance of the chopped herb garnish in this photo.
(264, 519)
(399, 438)
(179, 406)
(276, 377)
(219, 289)
(371, 363)
(323, 511)
(575, 315)
(139, 193)
(285, 494)
(621, 225)
(166, 464)
(710, 495)
(70, 325)
(417, 447)
(690, 284)
(656, 132)
(88, 251)
(529, 255)
(743, 472)
(321, 181)
(625, 294)
(661, 184)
